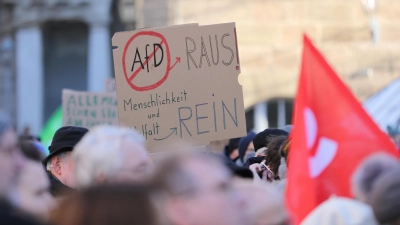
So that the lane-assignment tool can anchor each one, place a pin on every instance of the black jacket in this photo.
(58, 189)
(10, 217)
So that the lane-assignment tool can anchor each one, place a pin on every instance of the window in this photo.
(65, 61)
(250, 119)
(275, 113)
(272, 113)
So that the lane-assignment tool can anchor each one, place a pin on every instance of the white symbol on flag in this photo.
(326, 149)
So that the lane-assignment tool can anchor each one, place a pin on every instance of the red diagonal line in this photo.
(174, 64)
(144, 62)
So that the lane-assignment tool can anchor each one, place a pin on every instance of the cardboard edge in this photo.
(147, 28)
(218, 24)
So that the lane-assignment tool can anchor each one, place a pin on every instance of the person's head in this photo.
(231, 150)
(31, 149)
(246, 146)
(237, 171)
(59, 161)
(110, 154)
(33, 189)
(199, 191)
(261, 140)
(385, 197)
(11, 160)
(368, 172)
(341, 211)
(272, 156)
(118, 204)
(263, 204)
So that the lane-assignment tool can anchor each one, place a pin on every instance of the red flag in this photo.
(332, 135)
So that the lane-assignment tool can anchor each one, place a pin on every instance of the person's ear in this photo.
(176, 212)
(56, 163)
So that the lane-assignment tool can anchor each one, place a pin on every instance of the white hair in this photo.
(62, 155)
(98, 153)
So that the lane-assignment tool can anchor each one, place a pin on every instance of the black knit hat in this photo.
(261, 139)
(64, 140)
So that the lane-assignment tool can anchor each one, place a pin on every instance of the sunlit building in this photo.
(47, 45)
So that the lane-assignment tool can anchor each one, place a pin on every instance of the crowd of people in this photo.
(106, 176)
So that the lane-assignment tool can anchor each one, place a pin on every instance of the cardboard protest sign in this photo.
(89, 109)
(180, 83)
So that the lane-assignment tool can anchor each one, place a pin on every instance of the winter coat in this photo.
(10, 217)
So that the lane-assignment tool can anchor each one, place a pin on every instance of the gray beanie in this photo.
(385, 197)
(368, 172)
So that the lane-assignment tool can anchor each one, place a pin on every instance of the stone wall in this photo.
(155, 13)
(270, 40)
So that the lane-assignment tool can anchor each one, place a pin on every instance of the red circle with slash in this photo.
(135, 73)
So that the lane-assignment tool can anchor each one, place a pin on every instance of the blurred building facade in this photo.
(47, 45)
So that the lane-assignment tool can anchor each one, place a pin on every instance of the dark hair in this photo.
(273, 158)
(30, 137)
(262, 139)
(232, 145)
(30, 150)
(122, 204)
